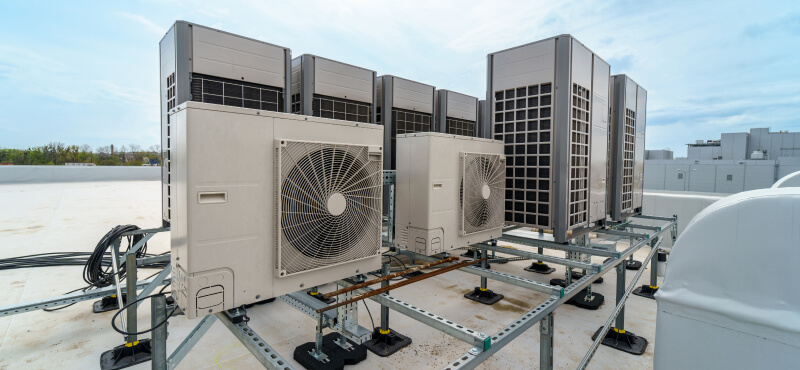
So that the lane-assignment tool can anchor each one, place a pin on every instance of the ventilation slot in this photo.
(407, 122)
(343, 109)
(463, 127)
(627, 160)
(522, 120)
(579, 157)
(223, 91)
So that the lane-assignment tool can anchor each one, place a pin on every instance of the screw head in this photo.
(474, 351)
(482, 335)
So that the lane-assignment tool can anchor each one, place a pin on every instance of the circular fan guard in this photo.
(482, 209)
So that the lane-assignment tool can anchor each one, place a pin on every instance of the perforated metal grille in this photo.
(522, 119)
(579, 157)
(223, 91)
(482, 187)
(463, 127)
(627, 160)
(329, 204)
(166, 160)
(348, 110)
(406, 122)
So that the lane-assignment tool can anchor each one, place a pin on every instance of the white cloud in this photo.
(144, 22)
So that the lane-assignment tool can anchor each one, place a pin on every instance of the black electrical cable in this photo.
(98, 274)
(370, 313)
(114, 318)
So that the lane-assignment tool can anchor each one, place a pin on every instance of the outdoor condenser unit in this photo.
(202, 64)
(549, 104)
(268, 203)
(449, 191)
(456, 114)
(404, 106)
(626, 154)
(330, 89)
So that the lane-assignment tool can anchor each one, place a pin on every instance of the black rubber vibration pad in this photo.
(540, 268)
(625, 341)
(303, 356)
(484, 296)
(122, 356)
(580, 301)
(386, 344)
(633, 265)
(319, 297)
(108, 303)
(646, 291)
(352, 356)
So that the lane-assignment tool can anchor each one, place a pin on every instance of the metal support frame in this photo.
(546, 331)
(474, 356)
(558, 246)
(561, 261)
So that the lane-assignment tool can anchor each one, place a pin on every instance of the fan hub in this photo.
(486, 191)
(336, 204)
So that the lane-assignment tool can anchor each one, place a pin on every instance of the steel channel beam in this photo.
(149, 260)
(506, 278)
(158, 336)
(66, 299)
(643, 227)
(188, 343)
(437, 322)
(553, 245)
(619, 308)
(135, 248)
(262, 351)
(474, 357)
(156, 282)
(308, 305)
(541, 257)
(657, 218)
(624, 233)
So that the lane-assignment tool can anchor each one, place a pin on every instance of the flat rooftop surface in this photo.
(38, 218)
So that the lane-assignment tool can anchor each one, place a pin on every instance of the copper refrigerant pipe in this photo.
(387, 277)
(400, 284)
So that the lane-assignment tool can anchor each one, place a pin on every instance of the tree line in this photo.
(56, 154)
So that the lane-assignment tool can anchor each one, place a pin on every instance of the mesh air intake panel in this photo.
(329, 204)
(482, 192)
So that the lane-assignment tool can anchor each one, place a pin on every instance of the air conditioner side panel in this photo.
(343, 81)
(638, 166)
(225, 55)
(599, 140)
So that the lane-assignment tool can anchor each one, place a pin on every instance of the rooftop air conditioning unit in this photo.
(456, 114)
(626, 152)
(449, 191)
(330, 89)
(267, 203)
(202, 64)
(548, 102)
(404, 106)
(484, 124)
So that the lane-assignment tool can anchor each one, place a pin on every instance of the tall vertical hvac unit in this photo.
(626, 154)
(404, 106)
(449, 191)
(267, 203)
(549, 104)
(456, 114)
(206, 65)
(484, 123)
(326, 88)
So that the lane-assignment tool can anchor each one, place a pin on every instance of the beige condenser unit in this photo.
(269, 203)
(450, 191)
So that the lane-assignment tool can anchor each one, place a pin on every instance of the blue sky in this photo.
(85, 72)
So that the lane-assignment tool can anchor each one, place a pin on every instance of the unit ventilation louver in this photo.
(482, 188)
(329, 204)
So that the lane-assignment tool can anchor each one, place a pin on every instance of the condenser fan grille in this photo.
(329, 204)
(482, 192)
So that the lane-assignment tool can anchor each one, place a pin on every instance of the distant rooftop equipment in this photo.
(456, 114)
(549, 104)
(265, 204)
(626, 152)
(202, 64)
(484, 123)
(329, 89)
(449, 191)
(713, 316)
(757, 154)
(404, 107)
